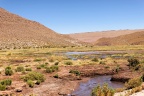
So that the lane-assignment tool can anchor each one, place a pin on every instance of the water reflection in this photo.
(85, 88)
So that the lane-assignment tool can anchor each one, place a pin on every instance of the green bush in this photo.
(54, 67)
(133, 62)
(6, 82)
(8, 71)
(38, 67)
(102, 62)
(28, 69)
(76, 72)
(51, 69)
(95, 59)
(68, 63)
(19, 69)
(37, 59)
(30, 83)
(139, 67)
(38, 82)
(42, 65)
(56, 63)
(2, 87)
(102, 91)
(46, 63)
(34, 76)
(132, 83)
(56, 76)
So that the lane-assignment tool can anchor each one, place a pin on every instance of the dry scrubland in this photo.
(33, 60)
(48, 72)
(18, 32)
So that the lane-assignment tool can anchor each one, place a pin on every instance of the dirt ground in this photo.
(67, 82)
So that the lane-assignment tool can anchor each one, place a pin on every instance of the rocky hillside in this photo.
(17, 32)
(136, 38)
(92, 37)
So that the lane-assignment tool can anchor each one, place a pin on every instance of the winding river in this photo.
(85, 88)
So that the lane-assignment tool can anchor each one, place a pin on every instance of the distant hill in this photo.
(136, 38)
(17, 32)
(92, 37)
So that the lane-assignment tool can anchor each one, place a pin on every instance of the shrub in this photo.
(38, 82)
(38, 67)
(132, 83)
(102, 91)
(30, 83)
(42, 65)
(2, 87)
(68, 63)
(76, 72)
(51, 69)
(6, 82)
(56, 63)
(54, 67)
(95, 59)
(46, 63)
(37, 59)
(56, 76)
(19, 69)
(28, 69)
(34, 76)
(101, 62)
(8, 71)
(107, 67)
(133, 62)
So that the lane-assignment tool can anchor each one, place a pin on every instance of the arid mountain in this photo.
(17, 32)
(92, 37)
(136, 38)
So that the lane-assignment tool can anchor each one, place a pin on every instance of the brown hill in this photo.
(17, 32)
(92, 37)
(136, 38)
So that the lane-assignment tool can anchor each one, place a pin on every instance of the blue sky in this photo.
(73, 16)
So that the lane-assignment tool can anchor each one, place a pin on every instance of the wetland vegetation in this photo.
(62, 71)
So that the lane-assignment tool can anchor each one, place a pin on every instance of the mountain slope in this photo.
(17, 32)
(92, 37)
(136, 38)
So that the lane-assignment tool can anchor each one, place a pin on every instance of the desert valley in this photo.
(37, 61)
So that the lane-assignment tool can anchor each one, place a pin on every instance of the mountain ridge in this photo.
(136, 38)
(17, 32)
(92, 37)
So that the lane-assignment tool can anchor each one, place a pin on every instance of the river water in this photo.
(85, 88)
(100, 54)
